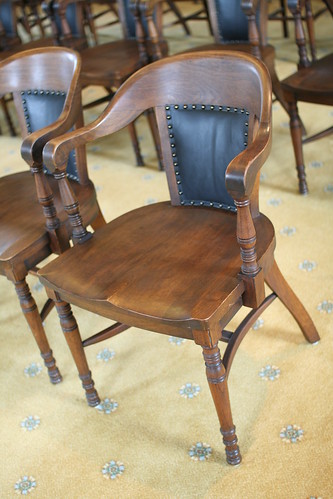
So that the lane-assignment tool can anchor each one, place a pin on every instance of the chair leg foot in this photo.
(91, 393)
(73, 338)
(31, 314)
(217, 380)
(281, 288)
(231, 448)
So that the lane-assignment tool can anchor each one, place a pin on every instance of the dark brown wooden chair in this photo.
(242, 25)
(11, 43)
(312, 82)
(182, 267)
(44, 83)
(108, 65)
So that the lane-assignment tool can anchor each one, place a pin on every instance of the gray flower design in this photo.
(30, 423)
(25, 485)
(113, 469)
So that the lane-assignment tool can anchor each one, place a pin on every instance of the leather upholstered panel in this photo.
(129, 19)
(41, 108)
(7, 19)
(203, 140)
(232, 22)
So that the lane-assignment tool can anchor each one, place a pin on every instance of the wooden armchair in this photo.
(241, 25)
(44, 83)
(182, 267)
(108, 65)
(312, 82)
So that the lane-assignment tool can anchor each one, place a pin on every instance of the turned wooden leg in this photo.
(217, 379)
(34, 320)
(296, 137)
(281, 288)
(73, 338)
(135, 144)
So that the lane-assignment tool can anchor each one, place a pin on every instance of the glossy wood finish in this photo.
(27, 236)
(312, 82)
(182, 270)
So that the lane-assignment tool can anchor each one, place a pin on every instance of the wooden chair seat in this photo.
(146, 283)
(18, 192)
(107, 63)
(313, 83)
(267, 51)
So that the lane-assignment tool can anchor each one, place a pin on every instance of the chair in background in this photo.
(239, 25)
(44, 83)
(312, 82)
(10, 43)
(108, 65)
(185, 267)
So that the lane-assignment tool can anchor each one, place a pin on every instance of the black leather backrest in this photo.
(7, 19)
(203, 140)
(41, 108)
(128, 19)
(232, 23)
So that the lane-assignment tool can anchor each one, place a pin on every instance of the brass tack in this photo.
(194, 106)
(171, 135)
(169, 126)
(167, 108)
(173, 154)
(185, 106)
(212, 107)
(168, 117)
(176, 106)
(203, 106)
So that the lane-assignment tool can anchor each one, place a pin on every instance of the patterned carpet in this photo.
(156, 434)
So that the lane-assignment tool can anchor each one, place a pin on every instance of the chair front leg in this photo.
(30, 311)
(73, 338)
(217, 379)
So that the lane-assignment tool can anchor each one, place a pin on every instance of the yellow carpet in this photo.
(142, 375)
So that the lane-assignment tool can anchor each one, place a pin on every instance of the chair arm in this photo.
(242, 171)
(33, 145)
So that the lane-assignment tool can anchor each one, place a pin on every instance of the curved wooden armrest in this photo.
(242, 171)
(33, 145)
